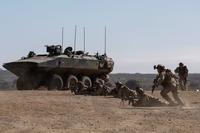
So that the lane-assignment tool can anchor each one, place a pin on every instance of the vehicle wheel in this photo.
(55, 83)
(72, 82)
(87, 81)
(101, 81)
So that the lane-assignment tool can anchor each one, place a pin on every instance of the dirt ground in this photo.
(61, 111)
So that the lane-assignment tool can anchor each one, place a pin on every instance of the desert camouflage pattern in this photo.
(124, 93)
(182, 72)
(137, 97)
(168, 81)
(146, 100)
(100, 88)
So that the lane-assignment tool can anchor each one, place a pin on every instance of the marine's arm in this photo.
(186, 71)
(155, 83)
(176, 70)
(153, 88)
(173, 76)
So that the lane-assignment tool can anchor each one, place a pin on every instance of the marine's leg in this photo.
(164, 92)
(105, 90)
(130, 100)
(121, 96)
(122, 102)
(185, 83)
(181, 84)
(176, 97)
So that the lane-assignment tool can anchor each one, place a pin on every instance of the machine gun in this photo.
(54, 50)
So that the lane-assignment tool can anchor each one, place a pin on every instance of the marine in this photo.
(80, 88)
(100, 88)
(182, 72)
(168, 81)
(145, 100)
(124, 93)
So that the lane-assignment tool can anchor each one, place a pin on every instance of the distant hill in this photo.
(146, 80)
(8, 80)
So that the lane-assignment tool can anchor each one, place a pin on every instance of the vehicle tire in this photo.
(72, 82)
(87, 81)
(55, 82)
(100, 81)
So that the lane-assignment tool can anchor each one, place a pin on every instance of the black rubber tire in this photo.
(71, 82)
(100, 81)
(55, 82)
(87, 81)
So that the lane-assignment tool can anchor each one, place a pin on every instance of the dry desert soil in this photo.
(63, 112)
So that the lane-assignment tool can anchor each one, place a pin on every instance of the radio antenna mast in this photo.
(75, 39)
(105, 42)
(84, 39)
(62, 38)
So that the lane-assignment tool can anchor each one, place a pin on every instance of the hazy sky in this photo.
(140, 33)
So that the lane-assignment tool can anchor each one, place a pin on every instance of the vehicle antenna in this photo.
(75, 39)
(84, 39)
(62, 38)
(105, 42)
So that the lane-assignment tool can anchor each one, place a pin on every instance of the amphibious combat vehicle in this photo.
(59, 70)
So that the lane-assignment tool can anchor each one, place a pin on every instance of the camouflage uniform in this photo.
(99, 87)
(124, 92)
(80, 88)
(160, 77)
(106, 90)
(146, 100)
(142, 99)
(167, 80)
(183, 74)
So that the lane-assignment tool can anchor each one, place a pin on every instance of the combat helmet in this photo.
(159, 67)
(181, 64)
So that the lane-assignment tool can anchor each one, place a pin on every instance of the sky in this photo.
(140, 33)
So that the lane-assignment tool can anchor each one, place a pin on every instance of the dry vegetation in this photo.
(60, 111)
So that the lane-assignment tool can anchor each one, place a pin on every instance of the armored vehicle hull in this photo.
(59, 71)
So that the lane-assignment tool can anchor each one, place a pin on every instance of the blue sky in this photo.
(140, 33)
